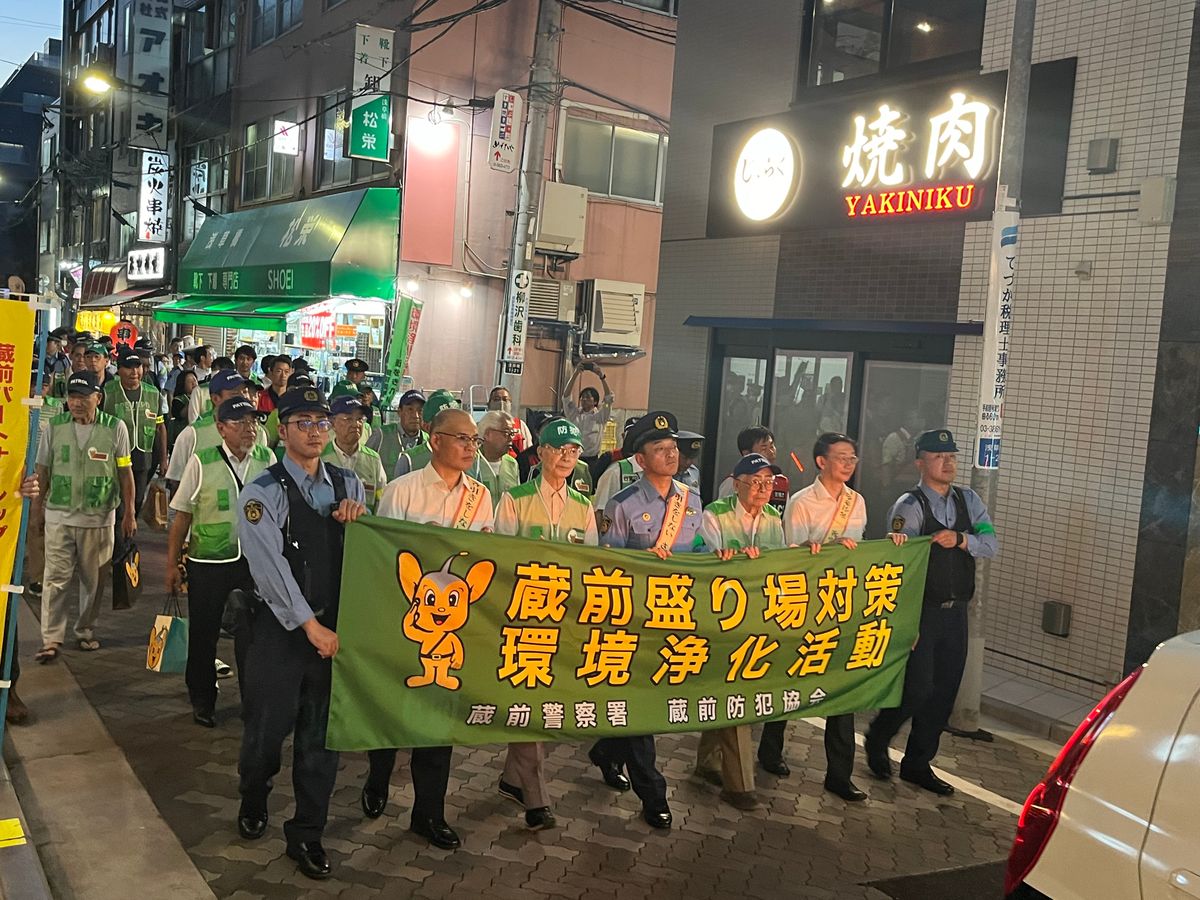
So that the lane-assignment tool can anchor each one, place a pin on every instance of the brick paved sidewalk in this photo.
(805, 843)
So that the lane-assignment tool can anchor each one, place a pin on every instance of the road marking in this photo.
(960, 784)
(11, 833)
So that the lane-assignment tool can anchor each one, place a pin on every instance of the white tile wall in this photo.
(1081, 377)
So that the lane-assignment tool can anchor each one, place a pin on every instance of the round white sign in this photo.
(766, 174)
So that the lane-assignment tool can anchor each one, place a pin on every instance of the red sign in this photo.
(124, 332)
(316, 329)
(950, 198)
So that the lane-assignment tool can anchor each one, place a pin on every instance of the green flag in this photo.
(450, 637)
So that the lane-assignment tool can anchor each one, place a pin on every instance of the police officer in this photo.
(957, 520)
(206, 505)
(546, 509)
(345, 449)
(662, 516)
(690, 446)
(291, 530)
(391, 439)
(419, 455)
(356, 373)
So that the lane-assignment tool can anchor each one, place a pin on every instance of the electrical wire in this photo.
(633, 26)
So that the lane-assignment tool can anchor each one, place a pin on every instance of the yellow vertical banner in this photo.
(16, 366)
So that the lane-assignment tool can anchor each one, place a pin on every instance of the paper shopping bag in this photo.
(167, 649)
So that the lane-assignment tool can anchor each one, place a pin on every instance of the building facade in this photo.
(838, 281)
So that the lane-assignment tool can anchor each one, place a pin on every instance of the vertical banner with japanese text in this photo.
(997, 333)
(404, 335)
(149, 48)
(513, 354)
(154, 197)
(450, 637)
(16, 362)
(370, 132)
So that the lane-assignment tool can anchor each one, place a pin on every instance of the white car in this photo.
(1118, 813)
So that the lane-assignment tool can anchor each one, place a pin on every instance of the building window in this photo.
(334, 167)
(850, 39)
(666, 7)
(269, 157)
(207, 182)
(614, 160)
(271, 18)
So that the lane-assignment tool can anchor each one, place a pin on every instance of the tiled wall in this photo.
(1081, 378)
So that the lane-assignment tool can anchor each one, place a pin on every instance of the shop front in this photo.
(313, 278)
(112, 293)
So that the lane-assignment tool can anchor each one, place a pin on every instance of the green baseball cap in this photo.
(343, 389)
(97, 348)
(560, 433)
(436, 402)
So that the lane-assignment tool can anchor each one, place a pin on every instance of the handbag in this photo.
(154, 510)
(127, 578)
(168, 647)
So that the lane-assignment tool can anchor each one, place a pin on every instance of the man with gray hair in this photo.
(494, 466)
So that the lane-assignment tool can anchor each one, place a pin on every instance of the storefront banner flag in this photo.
(452, 637)
(16, 362)
(997, 333)
(404, 336)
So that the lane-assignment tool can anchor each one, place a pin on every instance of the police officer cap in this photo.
(356, 365)
(128, 360)
(439, 400)
(300, 379)
(144, 344)
(301, 399)
(225, 380)
(235, 408)
(940, 440)
(754, 462)
(690, 443)
(61, 332)
(345, 404)
(560, 433)
(654, 426)
(413, 396)
(83, 383)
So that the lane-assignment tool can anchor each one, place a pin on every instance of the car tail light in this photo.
(1042, 808)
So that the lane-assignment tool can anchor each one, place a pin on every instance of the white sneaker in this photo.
(223, 670)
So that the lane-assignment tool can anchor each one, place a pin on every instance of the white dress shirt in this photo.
(810, 512)
(423, 497)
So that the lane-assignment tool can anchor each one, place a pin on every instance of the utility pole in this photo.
(543, 92)
(993, 370)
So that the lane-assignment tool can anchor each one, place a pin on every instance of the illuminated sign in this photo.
(765, 178)
(948, 198)
(146, 264)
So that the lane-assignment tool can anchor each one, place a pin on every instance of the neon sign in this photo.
(943, 198)
(765, 177)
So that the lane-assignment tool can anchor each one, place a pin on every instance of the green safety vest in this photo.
(364, 466)
(215, 515)
(581, 478)
(83, 480)
(140, 416)
(206, 432)
(768, 535)
(497, 483)
(533, 519)
(418, 457)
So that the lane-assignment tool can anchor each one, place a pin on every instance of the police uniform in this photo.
(634, 520)
(208, 494)
(690, 445)
(290, 540)
(935, 666)
(418, 456)
(363, 461)
(623, 473)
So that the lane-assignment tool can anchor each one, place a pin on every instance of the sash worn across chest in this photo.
(841, 515)
(672, 521)
(468, 507)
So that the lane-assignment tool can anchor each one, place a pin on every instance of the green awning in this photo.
(249, 269)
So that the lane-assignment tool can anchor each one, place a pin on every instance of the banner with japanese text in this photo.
(16, 362)
(449, 637)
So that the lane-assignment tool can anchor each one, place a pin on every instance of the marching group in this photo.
(264, 478)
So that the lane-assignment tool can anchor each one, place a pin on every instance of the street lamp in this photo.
(97, 84)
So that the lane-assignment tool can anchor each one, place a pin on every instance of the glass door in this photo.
(900, 400)
(809, 396)
(743, 383)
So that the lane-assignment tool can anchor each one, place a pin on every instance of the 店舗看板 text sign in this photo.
(449, 637)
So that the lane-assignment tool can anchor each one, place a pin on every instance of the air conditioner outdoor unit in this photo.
(552, 301)
(613, 312)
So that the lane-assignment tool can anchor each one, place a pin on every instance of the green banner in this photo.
(449, 637)
(405, 323)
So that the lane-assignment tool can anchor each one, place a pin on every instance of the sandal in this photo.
(47, 654)
(89, 644)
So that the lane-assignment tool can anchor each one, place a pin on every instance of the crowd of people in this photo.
(264, 476)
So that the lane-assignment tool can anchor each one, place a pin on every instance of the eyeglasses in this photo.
(759, 484)
(246, 423)
(465, 440)
(307, 425)
(847, 460)
(507, 432)
(572, 450)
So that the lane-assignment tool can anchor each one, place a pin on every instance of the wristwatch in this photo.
(962, 540)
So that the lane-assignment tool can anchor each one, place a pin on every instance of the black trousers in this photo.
(935, 670)
(839, 746)
(285, 690)
(637, 755)
(430, 768)
(209, 585)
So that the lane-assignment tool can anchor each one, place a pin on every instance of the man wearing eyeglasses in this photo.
(957, 521)
(291, 528)
(827, 511)
(441, 493)
(662, 516)
(201, 434)
(744, 523)
(346, 448)
(494, 466)
(206, 505)
(545, 508)
(418, 456)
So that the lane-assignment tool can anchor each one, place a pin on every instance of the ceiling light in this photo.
(411, 285)
(924, 27)
(465, 292)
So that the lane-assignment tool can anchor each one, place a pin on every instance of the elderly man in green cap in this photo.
(418, 457)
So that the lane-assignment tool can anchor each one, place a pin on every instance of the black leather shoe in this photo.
(373, 803)
(776, 767)
(313, 863)
(203, 717)
(610, 772)
(511, 792)
(252, 827)
(539, 819)
(846, 790)
(657, 818)
(929, 781)
(437, 832)
(878, 761)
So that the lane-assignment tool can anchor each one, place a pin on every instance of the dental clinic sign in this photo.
(919, 152)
